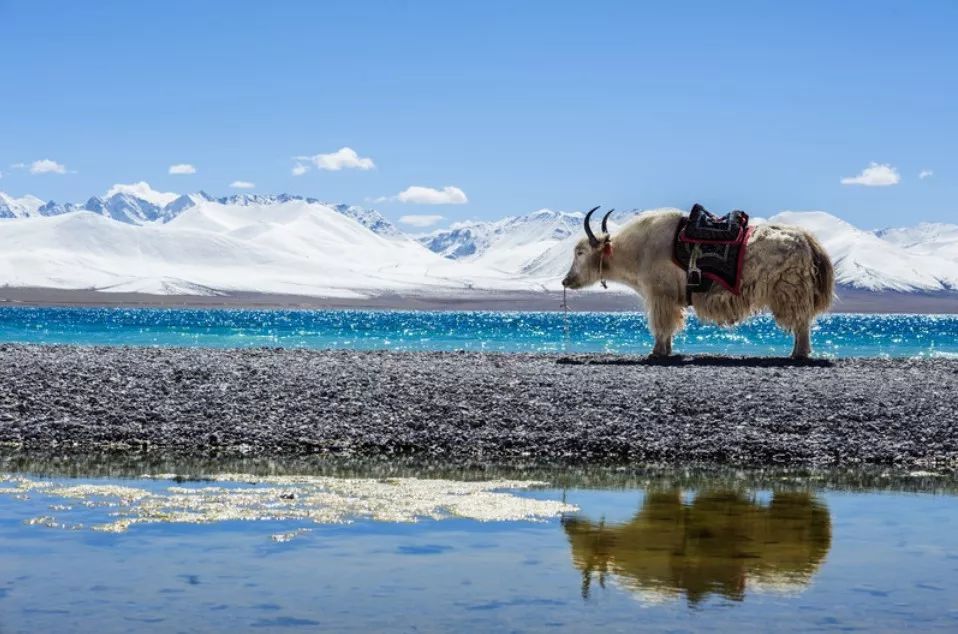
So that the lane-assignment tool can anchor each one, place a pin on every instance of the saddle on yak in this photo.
(711, 250)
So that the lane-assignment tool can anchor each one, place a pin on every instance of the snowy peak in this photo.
(25, 207)
(182, 203)
(474, 239)
(139, 204)
(922, 233)
(535, 246)
(127, 208)
(927, 238)
(458, 242)
(369, 218)
(54, 208)
(245, 200)
(544, 228)
(143, 192)
(121, 205)
(865, 260)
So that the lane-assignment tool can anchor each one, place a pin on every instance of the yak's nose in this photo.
(565, 281)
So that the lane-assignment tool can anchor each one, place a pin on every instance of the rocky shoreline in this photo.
(616, 299)
(472, 407)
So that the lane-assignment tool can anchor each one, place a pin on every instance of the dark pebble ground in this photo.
(480, 407)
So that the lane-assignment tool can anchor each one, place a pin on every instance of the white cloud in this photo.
(299, 169)
(182, 168)
(448, 195)
(46, 166)
(875, 175)
(424, 220)
(242, 185)
(144, 191)
(923, 174)
(343, 158)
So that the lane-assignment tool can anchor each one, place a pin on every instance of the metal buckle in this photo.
(695, 274)
(694, 278)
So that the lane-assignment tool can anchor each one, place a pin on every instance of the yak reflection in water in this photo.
(720, 543)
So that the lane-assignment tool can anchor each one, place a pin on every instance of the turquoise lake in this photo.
(626, 333)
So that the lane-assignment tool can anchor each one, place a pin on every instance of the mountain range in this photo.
(136, 239)
(923, 258)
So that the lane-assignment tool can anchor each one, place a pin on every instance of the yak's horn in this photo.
(605, 220)
(588, 230)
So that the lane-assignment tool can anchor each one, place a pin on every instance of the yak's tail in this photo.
(824, 275)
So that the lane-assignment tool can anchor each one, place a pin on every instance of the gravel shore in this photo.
(617, 298)
(480, 407)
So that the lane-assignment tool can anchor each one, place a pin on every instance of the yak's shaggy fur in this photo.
(786, 271)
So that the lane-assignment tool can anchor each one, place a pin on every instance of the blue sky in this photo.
(520, 105)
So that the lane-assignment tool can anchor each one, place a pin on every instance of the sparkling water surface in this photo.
(716, 555)
(626, 333)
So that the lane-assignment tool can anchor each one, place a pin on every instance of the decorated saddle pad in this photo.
(711, 250)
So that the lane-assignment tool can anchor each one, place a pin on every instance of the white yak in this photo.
(785, 270)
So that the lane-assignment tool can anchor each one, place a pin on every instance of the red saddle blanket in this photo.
(711, 250)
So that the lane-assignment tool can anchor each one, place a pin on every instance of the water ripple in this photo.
(622, 333)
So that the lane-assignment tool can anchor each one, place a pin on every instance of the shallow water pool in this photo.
(413, 553)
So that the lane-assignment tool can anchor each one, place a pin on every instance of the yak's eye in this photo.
(580, 253)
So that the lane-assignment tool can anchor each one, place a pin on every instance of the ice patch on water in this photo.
(319, 500)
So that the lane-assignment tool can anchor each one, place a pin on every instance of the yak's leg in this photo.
(803, 342)
(792, 304)
(665, 319)
(662, 347)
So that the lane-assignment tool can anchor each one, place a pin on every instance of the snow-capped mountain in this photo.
(475, 239)
(537, 246)
(282, 244)
(522, 237)
(135, 238)
(185, 201)
(25, 207)
(369, 218)
(126, 208)
(53, 208)
(927, 238)
(120, 206)
(864, 260)
(139, 204)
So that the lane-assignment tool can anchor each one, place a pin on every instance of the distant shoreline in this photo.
(849, 301)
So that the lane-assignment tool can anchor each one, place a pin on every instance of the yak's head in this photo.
(587, 260)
